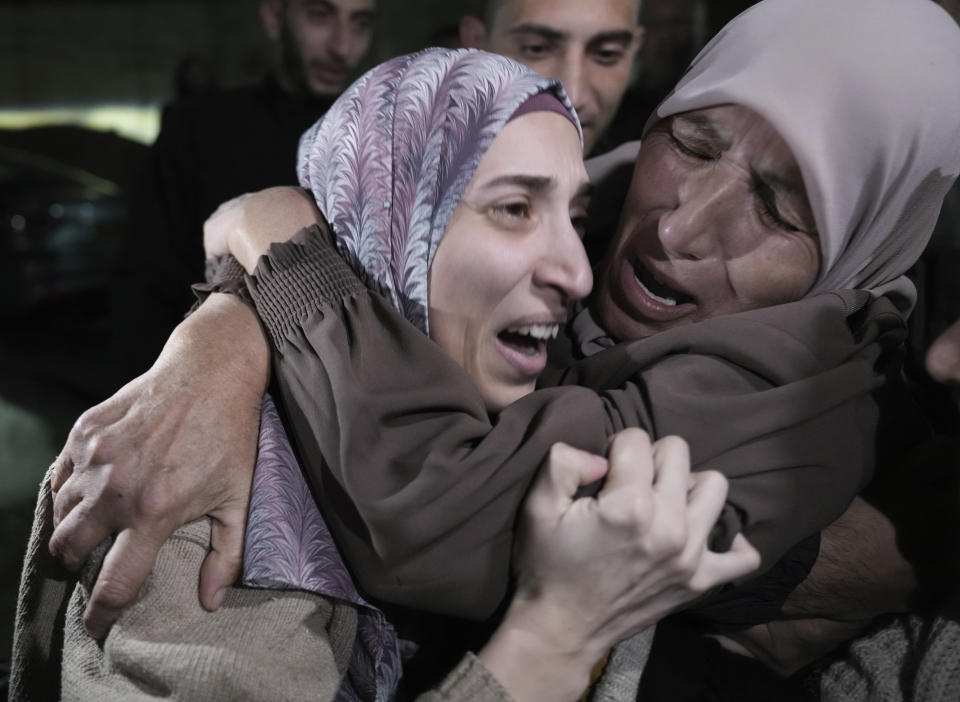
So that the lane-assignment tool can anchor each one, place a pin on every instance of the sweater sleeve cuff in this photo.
(299, 277)
(471, 680)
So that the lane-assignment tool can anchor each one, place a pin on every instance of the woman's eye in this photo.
(689, 150)
(511, 211)
(772, 215)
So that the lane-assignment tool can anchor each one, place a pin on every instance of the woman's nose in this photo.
(693, 228)
(565, 266)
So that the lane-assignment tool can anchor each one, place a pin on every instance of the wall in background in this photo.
(81, 53)
(57, 54)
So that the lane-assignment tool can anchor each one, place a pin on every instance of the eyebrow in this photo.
(705, 127)
(615, 36)
(548, 33)
(537, 184)
(619, 36)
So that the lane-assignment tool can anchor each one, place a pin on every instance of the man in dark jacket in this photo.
(204, 156)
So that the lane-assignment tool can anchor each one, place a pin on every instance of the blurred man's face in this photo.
(589, 45)
(321, 41)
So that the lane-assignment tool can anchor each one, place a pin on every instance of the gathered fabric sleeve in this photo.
(421, 487)
(794, 404)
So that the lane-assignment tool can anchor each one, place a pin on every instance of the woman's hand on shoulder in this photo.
(246, 225)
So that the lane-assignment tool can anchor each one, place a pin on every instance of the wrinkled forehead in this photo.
(579, 18)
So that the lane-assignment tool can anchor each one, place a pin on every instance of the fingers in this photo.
(60, 471)
(671, 464)
(631, 462)
(704, 503)
(125, 568)
(221, 567)
(565, 470)
(75, 537)
(718, 568)
(706, 500)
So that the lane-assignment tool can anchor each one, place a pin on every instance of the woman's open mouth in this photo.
(525, 346)
(656, 289)
(529, 339)
(646, 297)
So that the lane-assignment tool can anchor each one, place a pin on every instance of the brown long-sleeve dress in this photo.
(420, 485)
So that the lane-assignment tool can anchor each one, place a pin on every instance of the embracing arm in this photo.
(420, 486)
(173, 444)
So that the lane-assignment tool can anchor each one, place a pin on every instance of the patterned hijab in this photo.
(867, 95)
(389, 162)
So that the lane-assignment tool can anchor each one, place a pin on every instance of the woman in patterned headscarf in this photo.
(428, 169)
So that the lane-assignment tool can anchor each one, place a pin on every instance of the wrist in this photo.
(289, 211)
(224, 337)
(535, 643)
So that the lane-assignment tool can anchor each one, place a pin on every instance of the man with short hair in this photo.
(214, 147)
(588, 45)
(320, 42)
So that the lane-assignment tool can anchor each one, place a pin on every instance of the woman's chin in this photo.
(497, 396)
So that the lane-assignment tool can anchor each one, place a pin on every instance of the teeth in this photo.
(542, 332)
(669, 301)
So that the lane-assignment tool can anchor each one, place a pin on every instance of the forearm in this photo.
(859, 573)
(787, 645)
(232, 340)
(420, 488)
